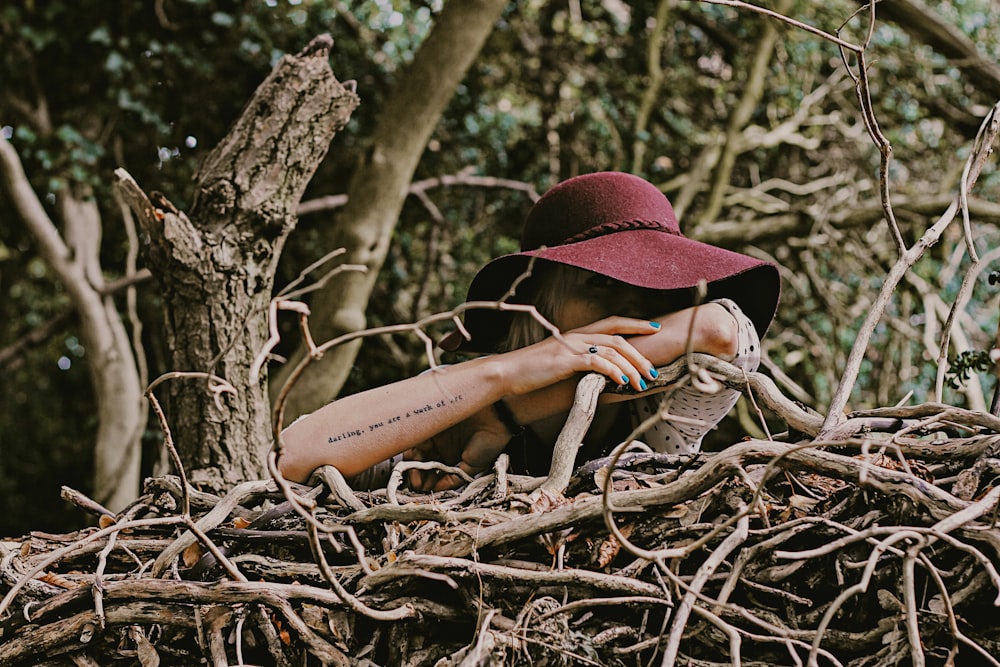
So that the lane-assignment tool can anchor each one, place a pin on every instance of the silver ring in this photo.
(592, 349)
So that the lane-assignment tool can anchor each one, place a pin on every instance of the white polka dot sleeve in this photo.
(692, 413)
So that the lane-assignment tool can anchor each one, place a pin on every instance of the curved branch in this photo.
(983, 148)
(54, 249)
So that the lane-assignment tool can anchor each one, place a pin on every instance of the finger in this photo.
(447, 482)
(617, 324)
(417, 479)
(623, 369)
(616, 329)
(420, 479)
(633, 366)
(472, 469)
(430, 480)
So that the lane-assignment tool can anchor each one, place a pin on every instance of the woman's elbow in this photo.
(717, 331)
(292, 466)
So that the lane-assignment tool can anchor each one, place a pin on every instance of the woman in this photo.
(603, 260)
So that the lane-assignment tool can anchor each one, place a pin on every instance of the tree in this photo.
(74, 256)
(153, 92)
(379, 187)
(71, 126)
(216, 266)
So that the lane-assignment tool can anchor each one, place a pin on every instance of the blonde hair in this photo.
(552, 285)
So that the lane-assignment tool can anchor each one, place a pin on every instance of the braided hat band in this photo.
(620, 226)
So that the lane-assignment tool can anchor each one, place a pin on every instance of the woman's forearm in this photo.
(714, 332)
(357, 431)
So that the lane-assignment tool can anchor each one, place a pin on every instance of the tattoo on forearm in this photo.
(395, 419)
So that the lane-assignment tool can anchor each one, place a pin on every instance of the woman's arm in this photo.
(714, 332)
(355, 432)
(476, 446)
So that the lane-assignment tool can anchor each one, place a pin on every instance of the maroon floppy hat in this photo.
(623, 227)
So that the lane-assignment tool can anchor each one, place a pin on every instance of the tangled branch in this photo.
(855, 551)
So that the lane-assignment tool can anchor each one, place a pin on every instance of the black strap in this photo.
(506, 418)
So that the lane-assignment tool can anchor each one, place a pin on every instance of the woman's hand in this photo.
(473, 445)
(621, 348)
(600, 347)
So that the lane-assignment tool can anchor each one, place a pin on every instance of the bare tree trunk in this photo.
(75, 258)
(121, 408)
(379, 187)
(216, 266)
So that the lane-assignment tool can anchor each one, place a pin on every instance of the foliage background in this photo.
(657, 88)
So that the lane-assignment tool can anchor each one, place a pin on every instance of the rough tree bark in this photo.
(216, 265)
(378, 189)
(74, 257)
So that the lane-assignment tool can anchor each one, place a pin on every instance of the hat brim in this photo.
(647, 258)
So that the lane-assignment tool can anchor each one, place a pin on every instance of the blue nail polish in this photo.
(655, 325)
(625, 379)
(653, 373)
(642, 385)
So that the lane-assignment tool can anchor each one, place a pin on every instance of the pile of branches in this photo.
(873, 544)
